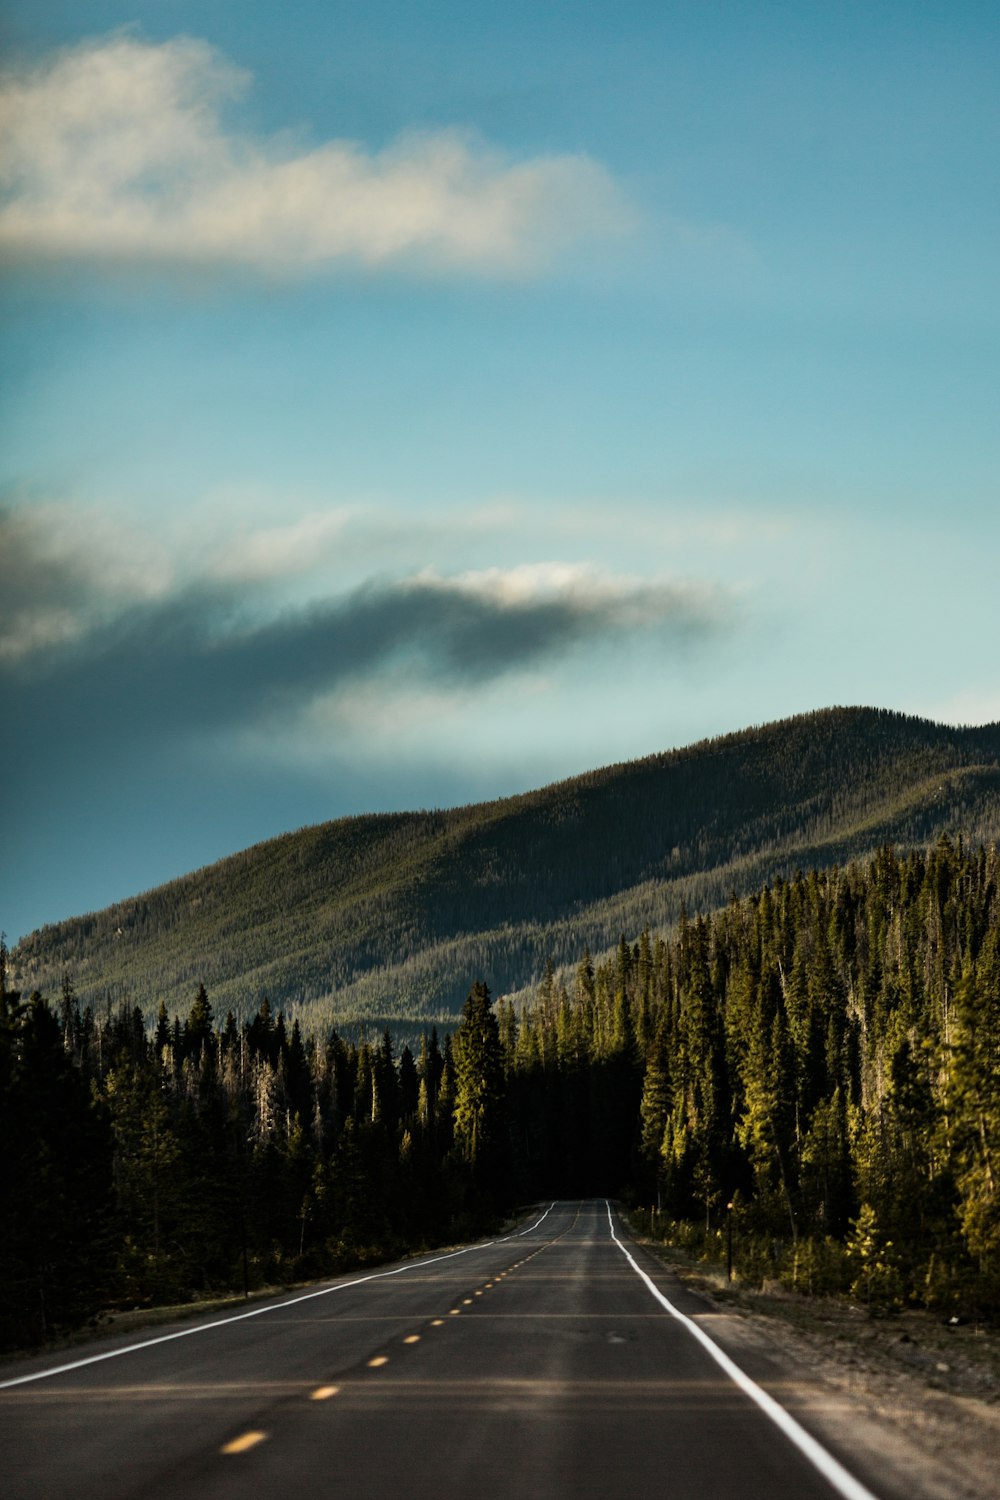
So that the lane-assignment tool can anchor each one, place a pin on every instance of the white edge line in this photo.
(256, 1312)
(522, 1232)
(832, 1471)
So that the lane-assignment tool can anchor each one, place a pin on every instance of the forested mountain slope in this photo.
(388, 918)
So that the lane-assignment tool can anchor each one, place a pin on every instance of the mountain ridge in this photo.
(387, 918)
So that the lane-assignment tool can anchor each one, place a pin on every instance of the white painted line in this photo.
(183, 1333)
(256, 1312)
(832, 1471)
(530, 1226)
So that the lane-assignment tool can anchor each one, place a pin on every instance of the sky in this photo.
(403, 405)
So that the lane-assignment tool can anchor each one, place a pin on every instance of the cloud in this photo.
(116, 151)
(203, 653)
(347, 537)
(586, 594)
(62, 570)
(80, 578)
(271, 552)
(118, 644)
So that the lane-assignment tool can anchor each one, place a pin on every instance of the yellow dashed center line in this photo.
(438, 1323)
(378, 1361)
(412, 1338)
(243, 1442)
(466, 1301)
(324, 1392)
(453, 1312)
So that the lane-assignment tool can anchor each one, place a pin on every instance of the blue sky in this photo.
(408, 404)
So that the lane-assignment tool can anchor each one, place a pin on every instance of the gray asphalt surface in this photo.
(536, 1365)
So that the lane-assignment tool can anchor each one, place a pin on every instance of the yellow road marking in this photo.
(453, 1312)
(438, 1323)
(378, 1361)
(243, 1442)
(412, 1338)
(324, 1392)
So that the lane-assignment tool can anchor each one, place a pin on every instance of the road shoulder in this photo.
(914, 1405)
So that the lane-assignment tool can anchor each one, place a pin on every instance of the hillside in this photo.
(388, 918)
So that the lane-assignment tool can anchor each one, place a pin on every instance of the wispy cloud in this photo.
(118, 150)
(64, 570)
(288, 550)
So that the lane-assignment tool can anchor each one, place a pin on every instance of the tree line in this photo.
(814, 1071)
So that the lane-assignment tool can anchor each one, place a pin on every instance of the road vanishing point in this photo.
(560, 1360)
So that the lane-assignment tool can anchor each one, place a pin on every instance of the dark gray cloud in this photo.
(196, 662)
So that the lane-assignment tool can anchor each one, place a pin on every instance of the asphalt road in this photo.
(542, 1364)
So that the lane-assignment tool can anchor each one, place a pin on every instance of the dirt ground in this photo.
(920, 1393)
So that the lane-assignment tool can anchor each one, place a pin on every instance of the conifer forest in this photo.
(808, 1079)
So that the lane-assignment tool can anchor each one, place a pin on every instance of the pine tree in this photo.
(198, 1032)
(480, 1136)
(161, 1037)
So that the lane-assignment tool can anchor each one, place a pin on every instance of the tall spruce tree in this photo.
(480, 1124)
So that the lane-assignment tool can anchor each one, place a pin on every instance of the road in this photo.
(542, 1364)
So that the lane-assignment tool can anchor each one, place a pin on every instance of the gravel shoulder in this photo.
(914, 1399)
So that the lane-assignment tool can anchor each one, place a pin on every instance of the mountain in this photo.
(387, 919)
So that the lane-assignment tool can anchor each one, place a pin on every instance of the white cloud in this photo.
(116, 150)
(283, 551)
(624, 601)
(104, 546)
(379, 711)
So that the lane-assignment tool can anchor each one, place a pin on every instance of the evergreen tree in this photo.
(480, 1133)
